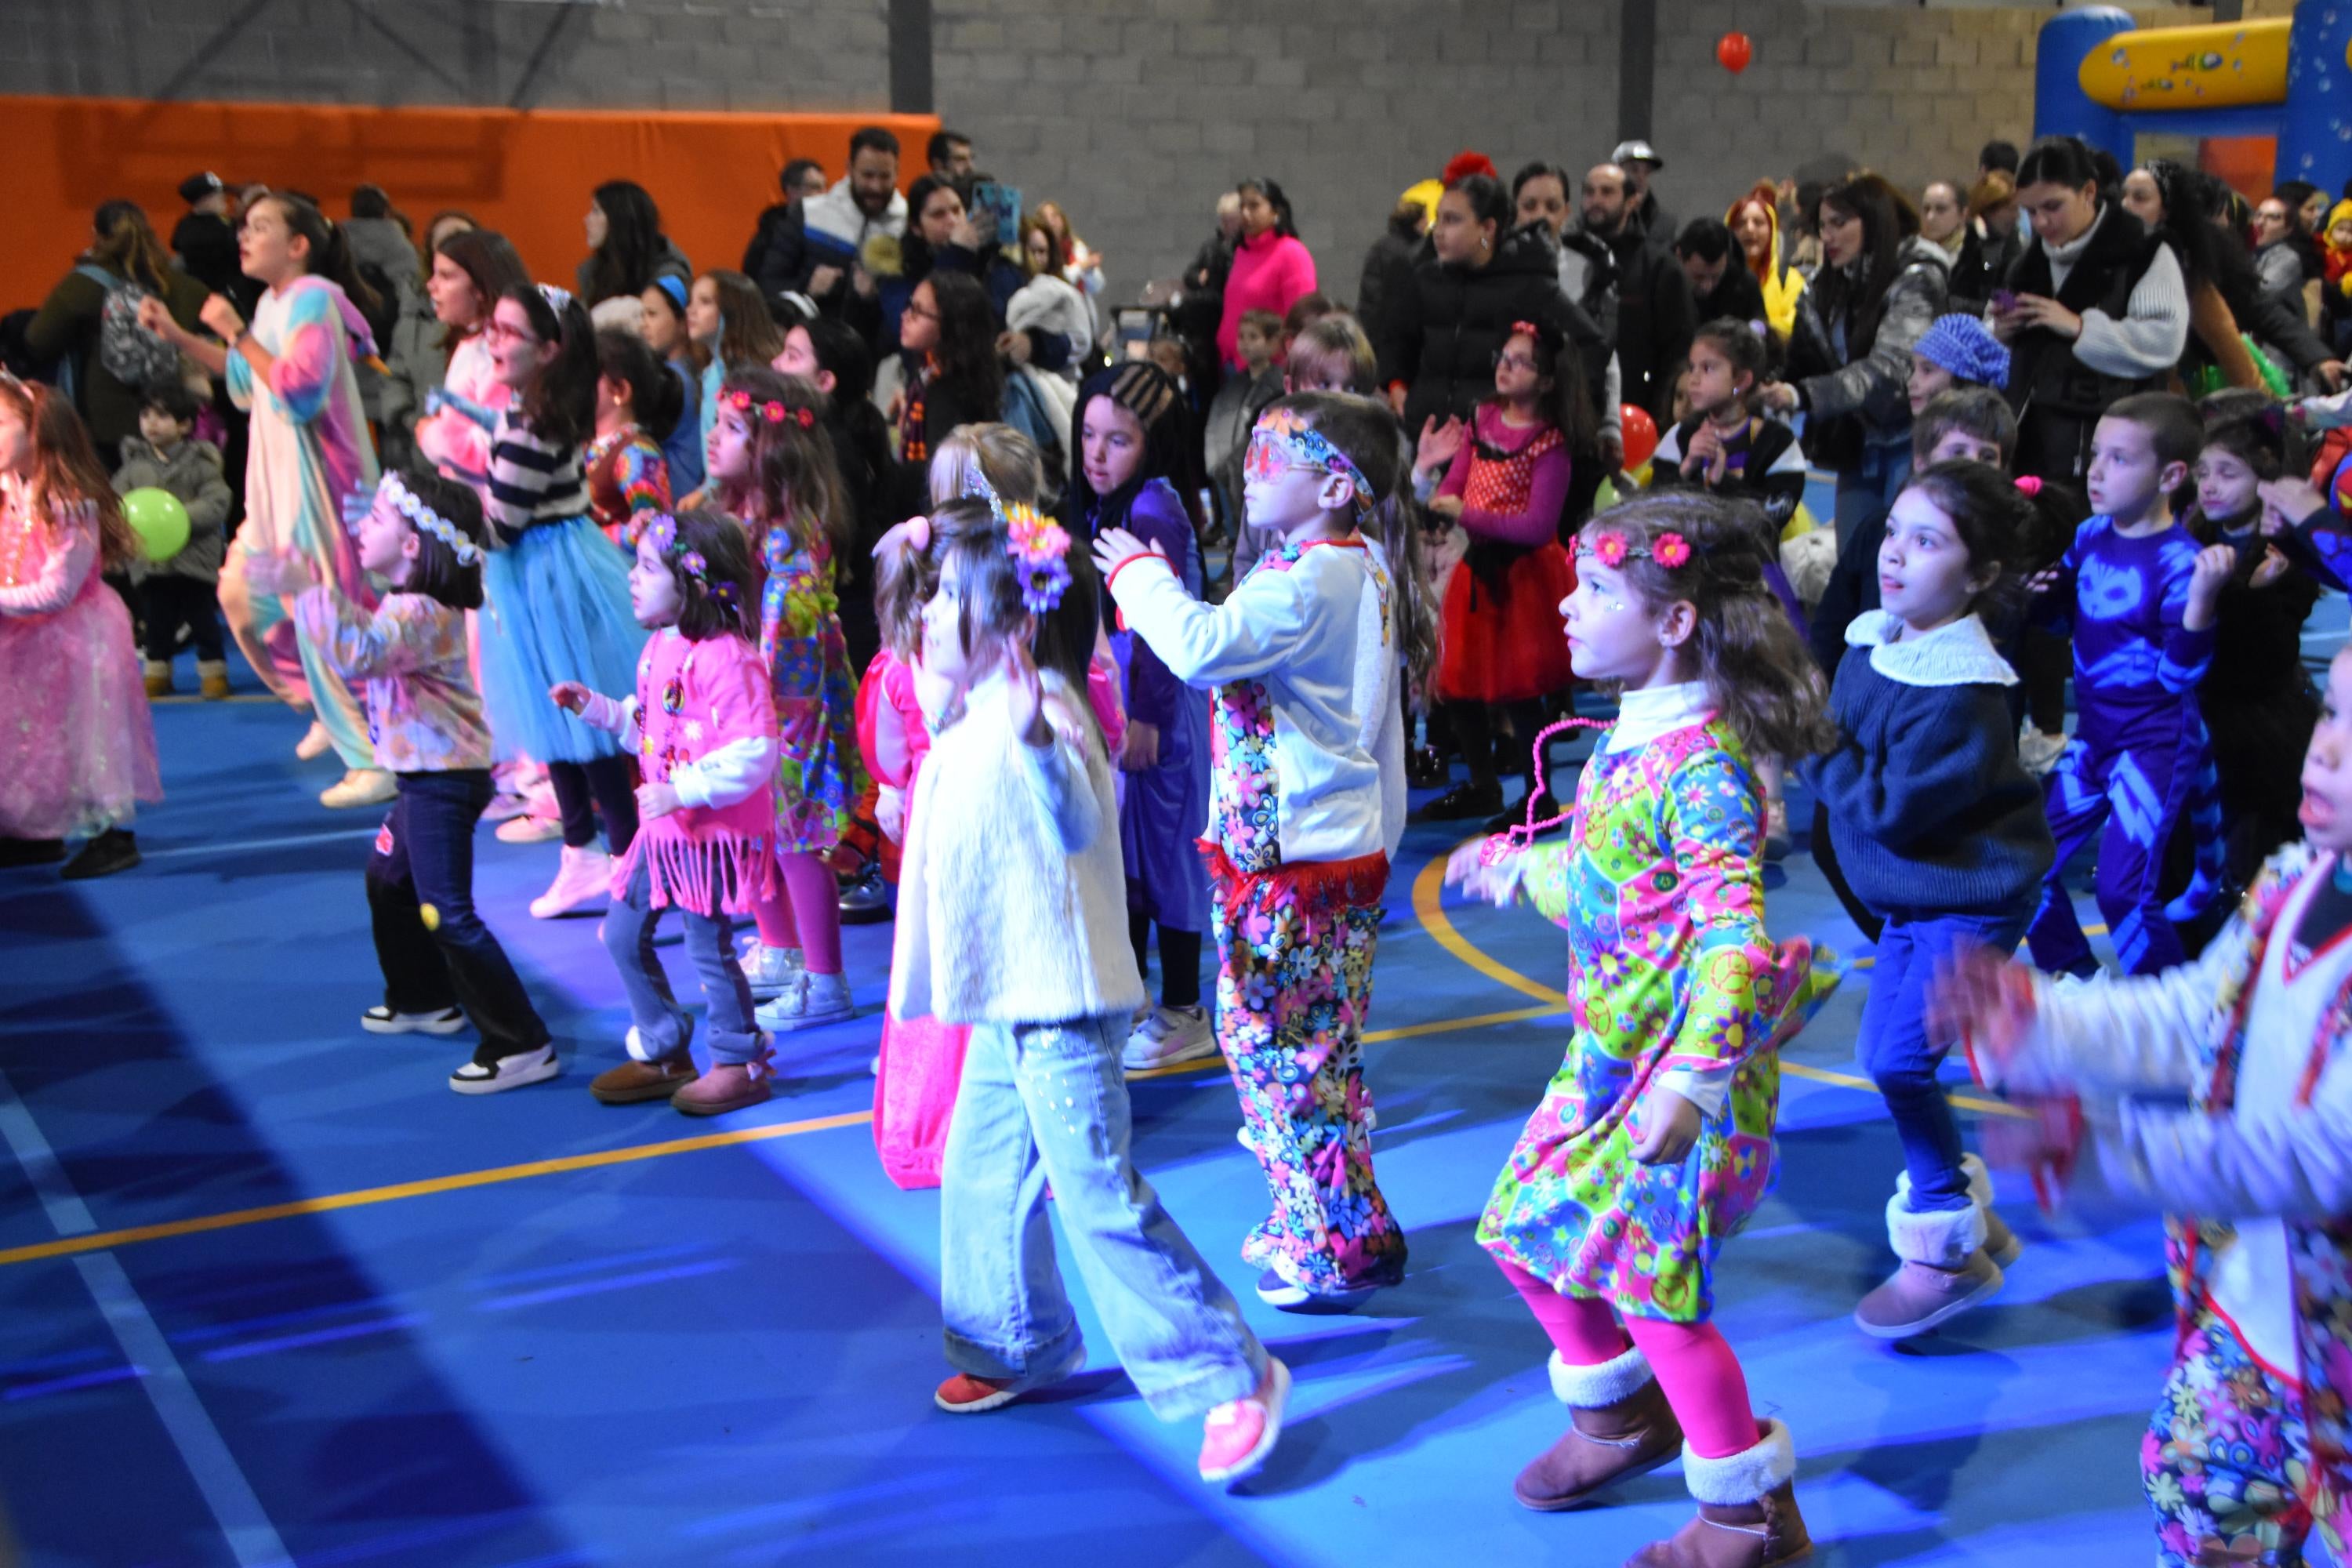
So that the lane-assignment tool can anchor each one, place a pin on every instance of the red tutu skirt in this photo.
(1500, 638)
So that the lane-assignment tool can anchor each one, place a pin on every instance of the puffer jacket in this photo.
(1448, 329)
(1867, 384)
(192, 472)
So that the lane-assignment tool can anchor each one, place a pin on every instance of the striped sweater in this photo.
(531, 480)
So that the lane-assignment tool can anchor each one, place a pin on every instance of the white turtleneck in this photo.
(2154, 332)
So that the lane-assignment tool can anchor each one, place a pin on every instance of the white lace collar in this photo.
(1642, 716)
(1959, 653)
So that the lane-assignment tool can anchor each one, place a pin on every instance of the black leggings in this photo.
(610, 784)
(1473, 731)
(1179, 959)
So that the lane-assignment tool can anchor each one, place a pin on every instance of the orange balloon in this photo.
(1735, 50)
(1640, 435)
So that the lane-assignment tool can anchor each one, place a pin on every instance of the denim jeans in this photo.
(629, 924)
(1895, 1050)
(1866, 492)
(424, 858)
(1045, 1103)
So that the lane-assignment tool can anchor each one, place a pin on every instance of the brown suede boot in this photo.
(1621, 1429)
(634, 1083)
(1747, 1516)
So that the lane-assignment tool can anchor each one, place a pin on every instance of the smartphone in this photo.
(2003, 301)
(1002, 202)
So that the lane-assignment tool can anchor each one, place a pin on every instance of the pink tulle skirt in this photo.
(77, 745)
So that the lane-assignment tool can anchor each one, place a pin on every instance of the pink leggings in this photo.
(806, 914)
(1693, 1365)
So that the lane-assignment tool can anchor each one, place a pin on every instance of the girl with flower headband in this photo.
(771, 466)
(556, 591)
(77, 744)
(1506, 486)
(1011, 920)
(1306, 757)
(1939, 832)
(1132, 430)
(295, 368)
(1654, 1142)
(703, 728)
(443, 968)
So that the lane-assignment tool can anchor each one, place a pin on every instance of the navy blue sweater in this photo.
(1929, 810)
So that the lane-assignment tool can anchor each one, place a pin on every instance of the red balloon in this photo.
(1640, 435)
(1735, 50)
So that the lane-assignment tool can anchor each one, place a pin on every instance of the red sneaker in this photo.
(965, 1395)
(1239, 1433)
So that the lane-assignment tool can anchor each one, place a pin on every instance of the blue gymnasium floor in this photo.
(271, 1293)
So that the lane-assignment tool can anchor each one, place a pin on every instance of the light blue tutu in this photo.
(555, 607)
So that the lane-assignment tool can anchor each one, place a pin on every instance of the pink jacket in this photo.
(1270, 272)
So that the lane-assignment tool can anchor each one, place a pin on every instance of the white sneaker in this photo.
(1169, 1036)
(807, 1003)
(314, 742)
(361, 786)
(528, 829)
(772, 971)
(2040, 752)
(381, 1020)
(583, 880)
(511, 1072)
(505, 807)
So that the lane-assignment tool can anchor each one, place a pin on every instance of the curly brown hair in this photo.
(1760, 678)
(795, 483)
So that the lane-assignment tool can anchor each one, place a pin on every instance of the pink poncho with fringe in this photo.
(694, 698)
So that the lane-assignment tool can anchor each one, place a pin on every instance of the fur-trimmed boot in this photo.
(1748, 1514)
(1945, 1269)
(1622, 1428)
(1999, 1241)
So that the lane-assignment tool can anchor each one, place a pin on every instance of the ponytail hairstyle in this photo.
(127, 245)
(748, 334)
(1759, 675)
(709, 558)
(795, 483)
(331, 251)
(1365, 432)
(1995, 520)
(437, 572)
(66, 469)
(559, 405)
(991, 606)
(1566, 404)
(656, 400)
(1284, 223)
(1750, 346)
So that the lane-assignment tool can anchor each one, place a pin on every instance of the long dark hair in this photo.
(2059, 161)
(127, 245)
(437, 572)
(2186, 195)
(331, 251)
(1995, 522)
(1568, 406)
(657, 398)
(1759, 675)
(967, 347)
(625, 263)
(1857, 294)
(559, 406)
(1284, 223)
(492, 266)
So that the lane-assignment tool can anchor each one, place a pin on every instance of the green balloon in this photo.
(159, 519)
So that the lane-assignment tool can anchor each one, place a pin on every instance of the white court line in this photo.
(245, 1525)
(240, 844)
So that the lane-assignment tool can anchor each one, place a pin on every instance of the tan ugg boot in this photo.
(1621, 1428)
(1747, 1516)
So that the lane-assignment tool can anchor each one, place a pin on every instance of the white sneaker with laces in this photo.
(505, 807)
(583, 880)
(360, 786)
(1169, 1037)
(771, 971)
(511, 1072)
(2039, 751)
(811, 1001)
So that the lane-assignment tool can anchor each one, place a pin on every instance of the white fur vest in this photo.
(1003, 916)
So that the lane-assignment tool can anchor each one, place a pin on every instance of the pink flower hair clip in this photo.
(1040, 552)
(772, 410)
(1669, 550)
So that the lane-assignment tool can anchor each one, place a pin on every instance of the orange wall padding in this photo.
(527, 175)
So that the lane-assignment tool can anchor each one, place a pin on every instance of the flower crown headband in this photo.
(662, 529)
(1614, 548)
(772, 410)
(1040, 549)
(1284, 439)
(423, 517)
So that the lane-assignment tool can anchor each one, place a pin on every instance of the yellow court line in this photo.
(98, 1241)
(1428, 890)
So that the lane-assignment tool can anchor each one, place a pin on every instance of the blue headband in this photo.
(671, 286)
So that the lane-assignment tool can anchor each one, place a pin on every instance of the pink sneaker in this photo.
(1239, 1433)
(583, 880)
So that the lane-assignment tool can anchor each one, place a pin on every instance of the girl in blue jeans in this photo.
(1013, 919)
(1942, 834)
